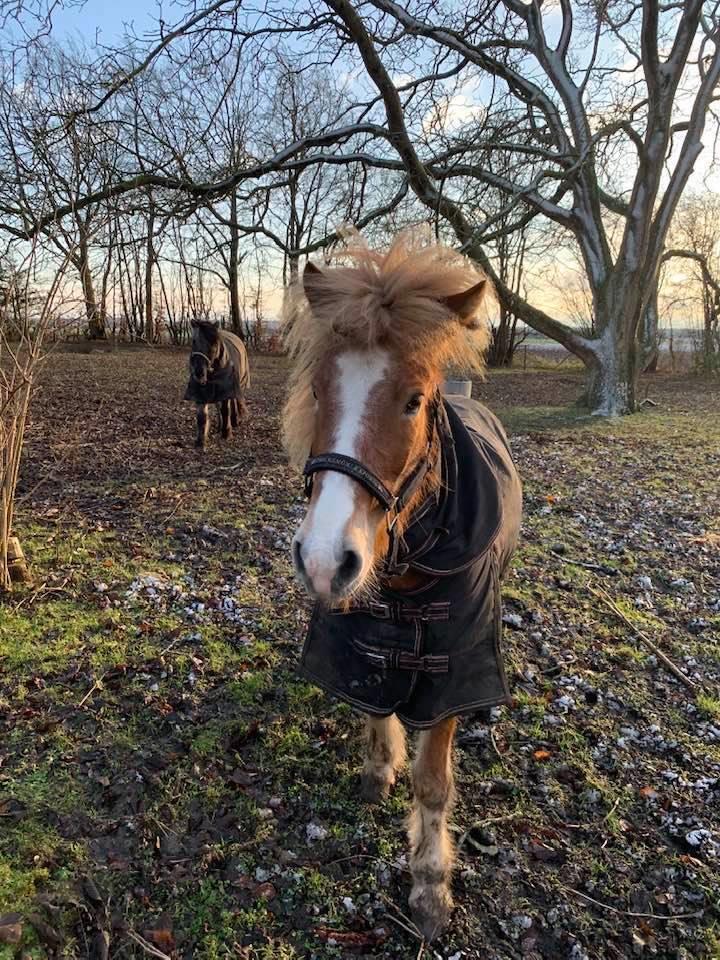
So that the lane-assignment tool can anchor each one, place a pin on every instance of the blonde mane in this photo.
(390, 298)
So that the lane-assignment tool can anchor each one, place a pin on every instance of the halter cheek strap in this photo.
(199, 353)
(211, 363)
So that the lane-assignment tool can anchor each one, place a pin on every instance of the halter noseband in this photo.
(392, 503)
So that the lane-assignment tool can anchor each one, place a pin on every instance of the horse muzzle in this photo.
(327, 575)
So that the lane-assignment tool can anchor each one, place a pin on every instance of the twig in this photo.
(41, 592)
(480, 824)
(612, 810)
(599, 567)
(147, 947)
(632, 913)
(96, 686)
(494, 744)
(169, 647)
(174, 509)
(403, 926)
(408, 925)
(608, 601)
(367, 856)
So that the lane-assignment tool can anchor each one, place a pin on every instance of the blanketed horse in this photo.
(414, 513)
(219, 373)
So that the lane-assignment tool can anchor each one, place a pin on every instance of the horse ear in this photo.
(194, 322)
(216, 324)
(313, 278)
(466, 304)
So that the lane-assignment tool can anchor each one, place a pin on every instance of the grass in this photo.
(172, 756)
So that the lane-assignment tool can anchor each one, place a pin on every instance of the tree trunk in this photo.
(649, 336)
(96, 327)
(236, 320)
(612, 378)
(149, 262)
(503, 340)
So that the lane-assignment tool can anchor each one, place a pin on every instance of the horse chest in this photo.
(424, 658)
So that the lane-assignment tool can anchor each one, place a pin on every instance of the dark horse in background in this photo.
(219, 373)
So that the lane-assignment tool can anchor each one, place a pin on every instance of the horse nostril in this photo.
(297, 556)
(350, 566)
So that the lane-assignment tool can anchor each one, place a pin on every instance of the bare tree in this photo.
(573, 107)
(599, 113)
(695, 239)
(27, 313)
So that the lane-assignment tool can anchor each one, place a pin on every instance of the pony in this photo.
(219, 373)
(413, 515)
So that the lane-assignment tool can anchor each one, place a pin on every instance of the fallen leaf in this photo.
(541, 755)
(11, 928)
(161, 934)
(242, 778)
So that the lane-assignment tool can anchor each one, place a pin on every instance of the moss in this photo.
(625, 652)
(709, 705)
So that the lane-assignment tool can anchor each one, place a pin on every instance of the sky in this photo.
(107, 22)
(107, 19)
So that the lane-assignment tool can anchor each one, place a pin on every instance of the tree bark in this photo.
(149, 263)
(613, 374)
(650, 336)
(234, 271)
(96, 327)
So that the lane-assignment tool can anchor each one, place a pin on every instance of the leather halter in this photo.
(198, 353)
(212, 364)
(392, 503)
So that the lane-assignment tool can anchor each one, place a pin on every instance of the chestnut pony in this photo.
(395, 522)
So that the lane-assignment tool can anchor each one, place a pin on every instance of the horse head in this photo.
(370, 342)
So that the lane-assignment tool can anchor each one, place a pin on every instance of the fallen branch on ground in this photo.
(632, 913)
(676, 671)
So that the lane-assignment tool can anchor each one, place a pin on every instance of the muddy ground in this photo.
(168, 787)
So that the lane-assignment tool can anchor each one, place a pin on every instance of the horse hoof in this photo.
(374, 789)
(431, 907)
(226, 435)
(199, 445)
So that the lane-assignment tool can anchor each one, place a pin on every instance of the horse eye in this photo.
(314, 393)
(413, 404)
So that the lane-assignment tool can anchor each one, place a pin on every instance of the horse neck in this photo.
(413, 580)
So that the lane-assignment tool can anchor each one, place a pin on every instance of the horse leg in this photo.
(225, 416)
(235, 412)
(202, 426)
(384, 755)
(431, 851)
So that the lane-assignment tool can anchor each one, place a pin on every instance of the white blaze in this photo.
(323, 532)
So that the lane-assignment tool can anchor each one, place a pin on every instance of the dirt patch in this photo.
(167, 783)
